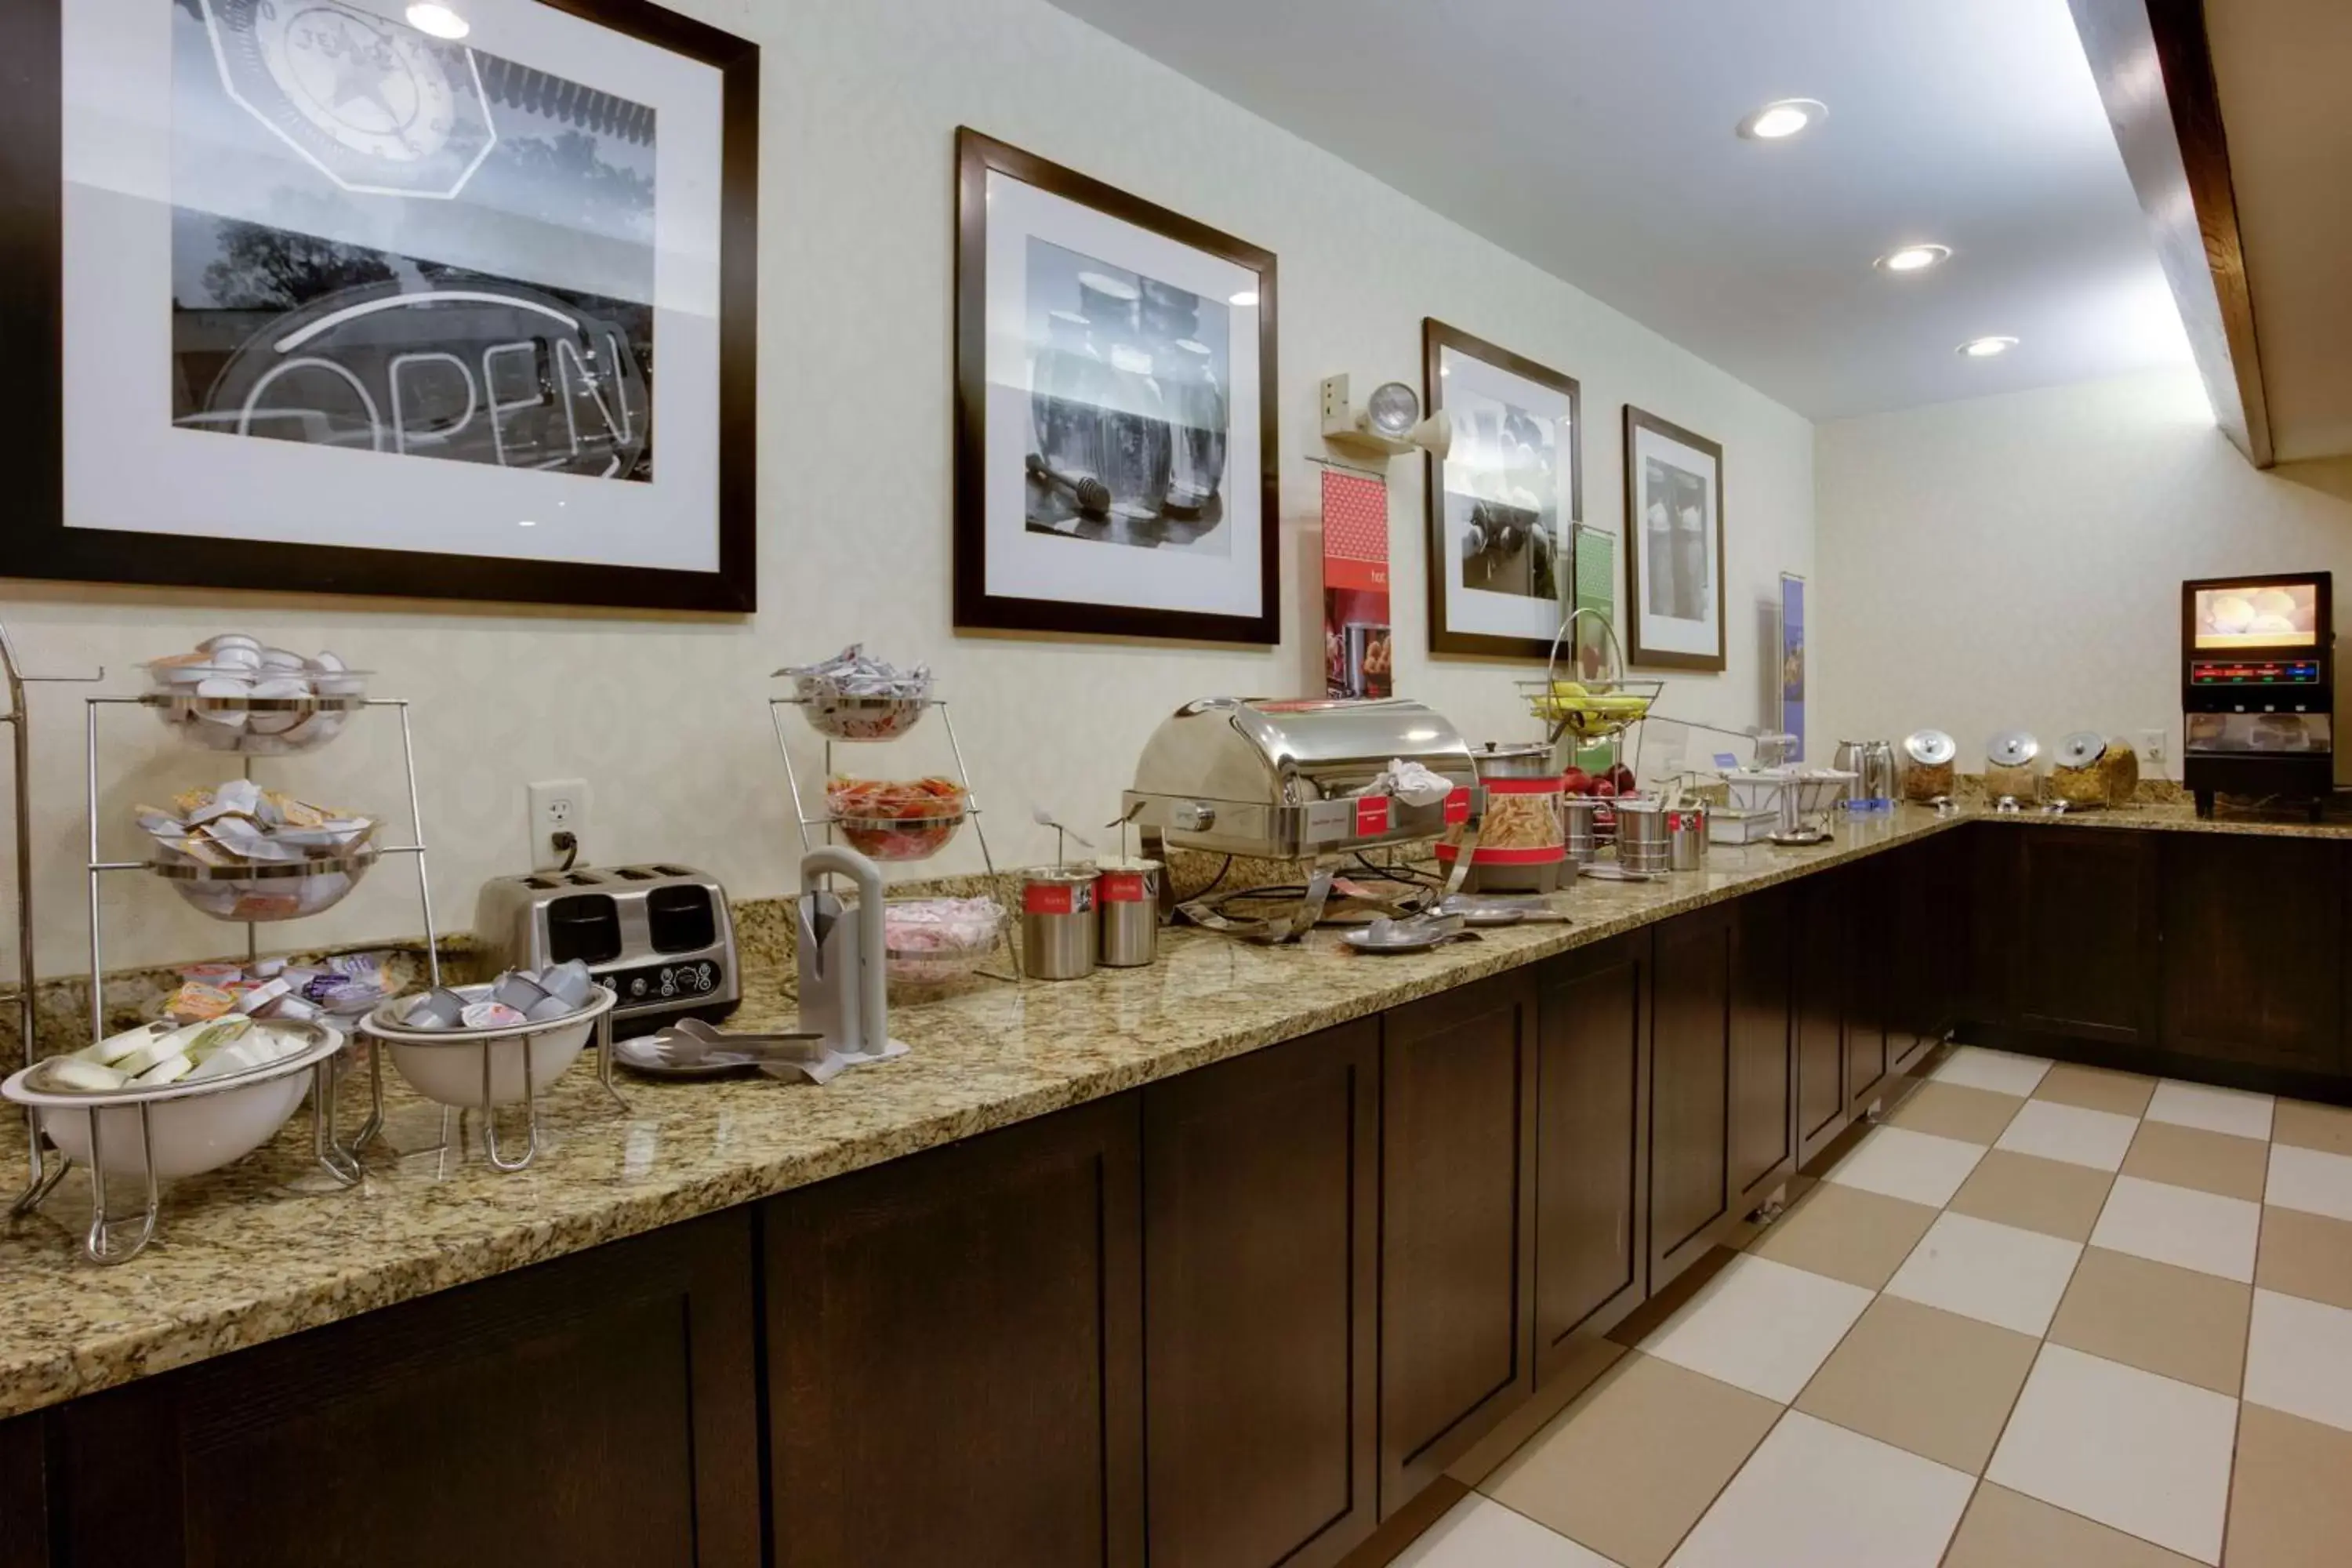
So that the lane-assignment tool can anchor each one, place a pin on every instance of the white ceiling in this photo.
(1596, 139)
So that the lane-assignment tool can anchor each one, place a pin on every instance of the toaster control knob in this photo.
(1194, 817)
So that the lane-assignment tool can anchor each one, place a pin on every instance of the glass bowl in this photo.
(938, 941)
(266, 892)
(841, 717)
(898, 838)
(254, 713)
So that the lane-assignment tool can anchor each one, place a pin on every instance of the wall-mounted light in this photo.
(1388, 423)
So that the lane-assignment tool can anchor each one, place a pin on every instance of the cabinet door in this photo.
(1690, 1089)
(1927, 912)
(1763, 1080)
(1457, 1163)
(1869, 1053)
(955, 1368)
(1819, 958)
(1261, 1192)
(1593, 1022)
(24, 1494)
(2253, 942)
(600, 1409)
(2084, 955)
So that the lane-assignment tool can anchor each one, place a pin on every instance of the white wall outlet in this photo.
(2152, 747)
(557, 806)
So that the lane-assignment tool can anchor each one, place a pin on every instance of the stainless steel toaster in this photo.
(659, 935)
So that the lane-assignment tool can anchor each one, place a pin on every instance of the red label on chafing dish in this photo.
(1126, 887)
(1458, 807)
(1372, 815)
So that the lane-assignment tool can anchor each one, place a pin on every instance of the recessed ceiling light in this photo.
(1985, 348)
(1782, 118)
(526, 522)
(1246, 299)
(1913, 258)
(438, 20)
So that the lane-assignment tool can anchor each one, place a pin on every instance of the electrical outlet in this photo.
(557, 806)
(2152, 747)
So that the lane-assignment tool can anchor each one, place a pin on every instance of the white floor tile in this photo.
(2232, 1111)
(1479, 1534)
(2310, 1180)
(2095, 1138)
(1973, 1066)
(1995, 1273)
(2299, 1358)
(2140, 1452)
(1760, 1325)
(1901, 1163)
(1814, 1495)
(2203, 1231)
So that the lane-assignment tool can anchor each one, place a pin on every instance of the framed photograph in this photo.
(343, 305)
(1674, 545)
(1502, 502)
(1115, 410)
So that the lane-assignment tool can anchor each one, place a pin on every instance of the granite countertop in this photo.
(2180, 816)
(248, 1254)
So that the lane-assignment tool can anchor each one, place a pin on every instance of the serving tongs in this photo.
(692, 1042)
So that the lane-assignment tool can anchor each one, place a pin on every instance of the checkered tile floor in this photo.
(2045, 1315)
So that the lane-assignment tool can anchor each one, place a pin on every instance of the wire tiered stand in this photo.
(39, 1177)
(337, 1161)
(1597, 706)
(865, 721)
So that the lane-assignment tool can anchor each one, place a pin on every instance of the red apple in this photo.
(1576, 781)
(1606, 788)
(1622, 777)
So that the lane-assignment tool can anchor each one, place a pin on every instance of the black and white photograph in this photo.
(407, 290)
(1674, 563)
(1502, 500)
(1115, 410)
(1126, 389)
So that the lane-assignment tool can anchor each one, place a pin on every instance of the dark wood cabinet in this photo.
(599, 1409)
(1869, 1051)
(24, 1494)
(1820, 956)
(1261, 1227)
(1927, 888)
(1690, 1088)
(2083, 932)
(1591, 1166)
(1762, 1151)
(2253, 951)
(1457, 1266)
(954, 1356)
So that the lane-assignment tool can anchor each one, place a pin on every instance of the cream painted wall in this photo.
(665, 716)
(2018, 559)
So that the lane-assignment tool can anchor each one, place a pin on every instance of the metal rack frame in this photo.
(803, 821)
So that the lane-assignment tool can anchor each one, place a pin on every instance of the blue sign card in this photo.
(1792, 660)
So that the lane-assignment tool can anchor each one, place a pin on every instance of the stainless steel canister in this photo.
(1057, 923)
(1641, 835)
(1576, 815)
(1128, 902)
(1686, 836)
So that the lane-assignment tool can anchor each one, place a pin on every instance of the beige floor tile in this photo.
(2289, 1506)
(2172, 1321)
(2097, 1088)
(2306, 1255)
(1954, 1110)
(2308, 1126)
(1923, 1379)
(2025, 1190)
(1847, 1233)
(2003, 1528)
(2192, 1157)
(1630, 1468)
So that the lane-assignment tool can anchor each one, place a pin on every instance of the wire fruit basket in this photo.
(1594, 701)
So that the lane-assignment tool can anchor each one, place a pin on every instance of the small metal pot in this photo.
(1059, 928)
(1578, 821)
(1686, 837)
(1127, 904)
(1642, 843)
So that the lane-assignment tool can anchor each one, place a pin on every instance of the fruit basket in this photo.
(1593, 699)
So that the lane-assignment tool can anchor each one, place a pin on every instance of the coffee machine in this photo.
(2257, 687)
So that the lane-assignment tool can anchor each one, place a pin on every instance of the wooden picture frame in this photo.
(1694, 466)
(137, 543)
(1471, 621)
(1020, 517)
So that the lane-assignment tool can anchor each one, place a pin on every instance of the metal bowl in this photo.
(260, 893)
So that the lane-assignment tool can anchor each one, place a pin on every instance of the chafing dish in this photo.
(1287, 779)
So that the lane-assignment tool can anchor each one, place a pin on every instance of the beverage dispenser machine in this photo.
(2257, 687)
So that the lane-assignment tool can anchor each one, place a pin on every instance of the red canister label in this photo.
(1126, 887)
(1372, 815)
(1457, 807)
(1057, 898)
